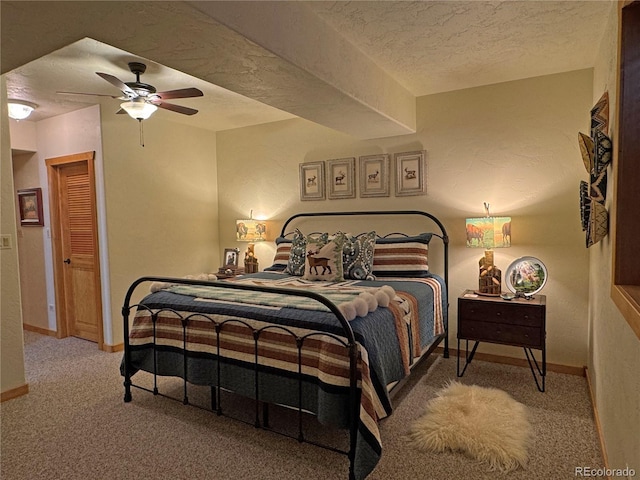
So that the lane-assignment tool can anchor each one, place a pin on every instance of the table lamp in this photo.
(250, 230)
(488, 232)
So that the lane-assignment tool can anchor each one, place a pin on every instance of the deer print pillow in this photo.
(297, 254)
(324, 259)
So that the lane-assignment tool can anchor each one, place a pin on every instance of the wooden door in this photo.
(76, 261)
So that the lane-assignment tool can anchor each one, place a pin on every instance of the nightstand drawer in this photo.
(504, 333)
(513, 313)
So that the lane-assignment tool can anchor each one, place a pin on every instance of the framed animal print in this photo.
(341, 175)
(374, 175)
(312, 181)
(411, 178)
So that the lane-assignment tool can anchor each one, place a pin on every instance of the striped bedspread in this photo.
(388, 341)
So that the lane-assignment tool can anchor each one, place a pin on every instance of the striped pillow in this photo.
(281, 259)
(402, 256)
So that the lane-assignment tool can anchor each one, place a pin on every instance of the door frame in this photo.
(53, 174)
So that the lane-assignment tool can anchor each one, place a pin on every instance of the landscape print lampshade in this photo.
(489, 232)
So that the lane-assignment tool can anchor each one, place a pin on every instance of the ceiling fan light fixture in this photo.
(20, 109)
(138, 109)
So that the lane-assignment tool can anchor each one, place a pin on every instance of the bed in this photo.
(331, 329)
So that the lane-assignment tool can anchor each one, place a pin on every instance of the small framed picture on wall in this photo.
(312, 181)
(411, 178)
(341, 174)
(374, 175)
(30, 206)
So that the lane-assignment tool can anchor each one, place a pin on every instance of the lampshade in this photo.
(19, 109)
(251, 230)
(489, 232)
(138, 108)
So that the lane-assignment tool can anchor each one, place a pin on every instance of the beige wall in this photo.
(31, 247)
(68, 134)
(161, 202)
(12, 373)
(614, 360)
(511, 144)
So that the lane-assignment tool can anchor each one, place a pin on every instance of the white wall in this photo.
(614, 360)
(513, 145)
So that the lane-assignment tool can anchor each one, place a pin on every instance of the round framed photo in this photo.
(526, 276)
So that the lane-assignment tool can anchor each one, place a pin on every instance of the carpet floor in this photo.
(73, 424)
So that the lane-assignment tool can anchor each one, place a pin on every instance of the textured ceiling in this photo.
(432, 47)
(420, 47)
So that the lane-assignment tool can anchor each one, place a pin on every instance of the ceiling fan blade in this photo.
(93, 94)
(180, 93)
(116, 82)
(121, 111)
(176, 108)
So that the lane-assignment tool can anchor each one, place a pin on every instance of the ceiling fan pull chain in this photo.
(141, 133)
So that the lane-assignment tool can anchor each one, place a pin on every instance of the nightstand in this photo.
(519, 322)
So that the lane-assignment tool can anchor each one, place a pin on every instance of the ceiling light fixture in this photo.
(20, 109)
(138, 109)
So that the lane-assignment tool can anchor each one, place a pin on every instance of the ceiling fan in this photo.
(142, 99)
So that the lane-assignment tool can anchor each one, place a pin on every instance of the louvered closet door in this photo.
(79, 250)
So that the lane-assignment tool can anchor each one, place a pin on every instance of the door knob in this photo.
(67, 261)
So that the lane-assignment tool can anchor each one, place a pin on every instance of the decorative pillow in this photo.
(402, 256)
(357, 255)
(281, 258)
(324, 259)
(298, 253)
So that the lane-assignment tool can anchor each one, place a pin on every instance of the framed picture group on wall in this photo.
(373, 174)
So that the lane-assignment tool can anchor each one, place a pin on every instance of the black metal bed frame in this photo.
(350, 343)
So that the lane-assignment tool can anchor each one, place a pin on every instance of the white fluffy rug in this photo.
(484, 423)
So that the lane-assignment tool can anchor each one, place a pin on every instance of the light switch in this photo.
(5, 241)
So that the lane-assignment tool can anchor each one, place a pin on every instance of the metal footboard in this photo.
(347, 339)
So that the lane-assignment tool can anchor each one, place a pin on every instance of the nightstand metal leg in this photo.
(542, 372)
(468, 356)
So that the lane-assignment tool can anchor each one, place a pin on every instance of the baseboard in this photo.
(40, 330)
(520, 362)
(119, 347)
(596, 419)
(14, 393)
